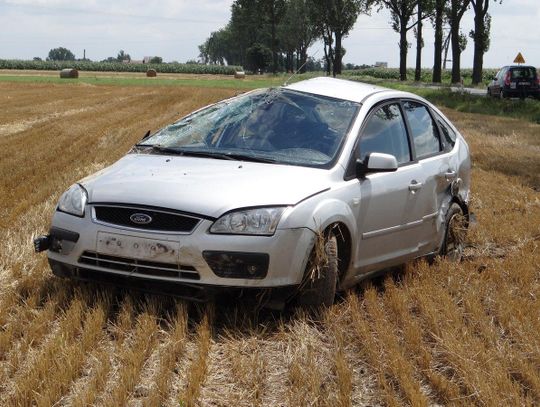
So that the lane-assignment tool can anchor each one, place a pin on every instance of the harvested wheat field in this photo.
(444, 334)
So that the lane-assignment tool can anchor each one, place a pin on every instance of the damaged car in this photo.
(299, 191)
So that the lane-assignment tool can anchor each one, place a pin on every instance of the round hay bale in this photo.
(69, 73)
(239, 75)
(151, 73)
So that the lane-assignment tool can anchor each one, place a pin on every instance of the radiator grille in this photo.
(161, 220)
(145, 267)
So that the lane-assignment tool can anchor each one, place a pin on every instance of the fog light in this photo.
(237, 264)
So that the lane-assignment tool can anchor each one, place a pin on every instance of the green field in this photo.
(196, 81)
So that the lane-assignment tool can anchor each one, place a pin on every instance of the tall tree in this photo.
(61, 54)
(424, 9)
(296, 33)
(458, 41)
(219, 49)
(123, 56)
(401, 12)
(274, 10)
(480, 35)
(439, 7)
(334, 19)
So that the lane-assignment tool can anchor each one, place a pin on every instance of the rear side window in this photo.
(448, 135)
(385, 132)
(424, 131)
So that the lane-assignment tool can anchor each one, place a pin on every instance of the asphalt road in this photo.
(472, 91)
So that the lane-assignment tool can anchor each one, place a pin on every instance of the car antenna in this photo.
(298, 70)
(146, 135)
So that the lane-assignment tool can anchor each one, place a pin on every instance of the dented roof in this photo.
(337, 88)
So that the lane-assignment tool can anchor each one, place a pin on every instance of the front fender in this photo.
(317, 215)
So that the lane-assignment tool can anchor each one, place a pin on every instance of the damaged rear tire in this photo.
(455, 233)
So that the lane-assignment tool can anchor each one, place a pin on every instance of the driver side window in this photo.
(385, 132)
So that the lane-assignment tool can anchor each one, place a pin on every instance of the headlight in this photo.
(259, 221)
(73, 200)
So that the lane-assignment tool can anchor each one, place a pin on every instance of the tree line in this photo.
(64, 54)
(275, 35)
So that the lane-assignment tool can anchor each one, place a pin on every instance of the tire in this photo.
(454, 234)
(320, 278)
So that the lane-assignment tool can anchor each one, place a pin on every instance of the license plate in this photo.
(524, 84)
(137, 248)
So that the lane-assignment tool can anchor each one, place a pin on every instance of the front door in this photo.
(389, 214)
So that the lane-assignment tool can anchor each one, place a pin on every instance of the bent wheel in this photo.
(455, 233)
(320, 279)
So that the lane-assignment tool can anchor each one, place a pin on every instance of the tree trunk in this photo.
(274, 45)
(327, 59)
(403, 48)
(337, 55)
(480, 11)
(328, 54)
(478, 60)
(290, 65)
(419, 45)
(456, 52)
(303, 60)
(437, 57)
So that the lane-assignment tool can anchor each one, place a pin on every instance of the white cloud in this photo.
(173, 29)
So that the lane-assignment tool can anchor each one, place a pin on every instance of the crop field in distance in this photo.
(445, 334)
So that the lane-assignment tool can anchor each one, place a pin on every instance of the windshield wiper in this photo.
(228, 156)
(208, 154)
(252, 158)
(162, 149)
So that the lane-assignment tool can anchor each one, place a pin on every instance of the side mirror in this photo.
(376, 162)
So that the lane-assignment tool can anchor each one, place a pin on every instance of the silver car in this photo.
(298, 191)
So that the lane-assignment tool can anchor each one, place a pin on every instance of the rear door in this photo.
(433, 155)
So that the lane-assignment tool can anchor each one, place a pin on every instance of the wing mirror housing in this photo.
(376, 162)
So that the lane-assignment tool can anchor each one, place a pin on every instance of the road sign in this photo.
(519, 59)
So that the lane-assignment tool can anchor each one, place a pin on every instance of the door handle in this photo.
(450, 175)
(414, 186)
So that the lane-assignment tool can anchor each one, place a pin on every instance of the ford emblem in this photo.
(140, 218)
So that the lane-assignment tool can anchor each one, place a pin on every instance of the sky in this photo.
(173, 29)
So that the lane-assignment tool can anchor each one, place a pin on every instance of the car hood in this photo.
(204, 186)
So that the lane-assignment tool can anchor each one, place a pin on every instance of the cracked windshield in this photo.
(273, 125)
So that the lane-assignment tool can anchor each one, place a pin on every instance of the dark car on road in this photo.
(515, 81)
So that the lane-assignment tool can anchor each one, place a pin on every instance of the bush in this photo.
(427, 74)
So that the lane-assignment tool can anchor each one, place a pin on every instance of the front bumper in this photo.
(287, 251)
(272, 298)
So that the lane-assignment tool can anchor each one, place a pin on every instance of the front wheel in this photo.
(318, 287)
(455, 233)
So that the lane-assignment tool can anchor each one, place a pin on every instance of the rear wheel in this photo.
(320, 278)
(455, 233)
